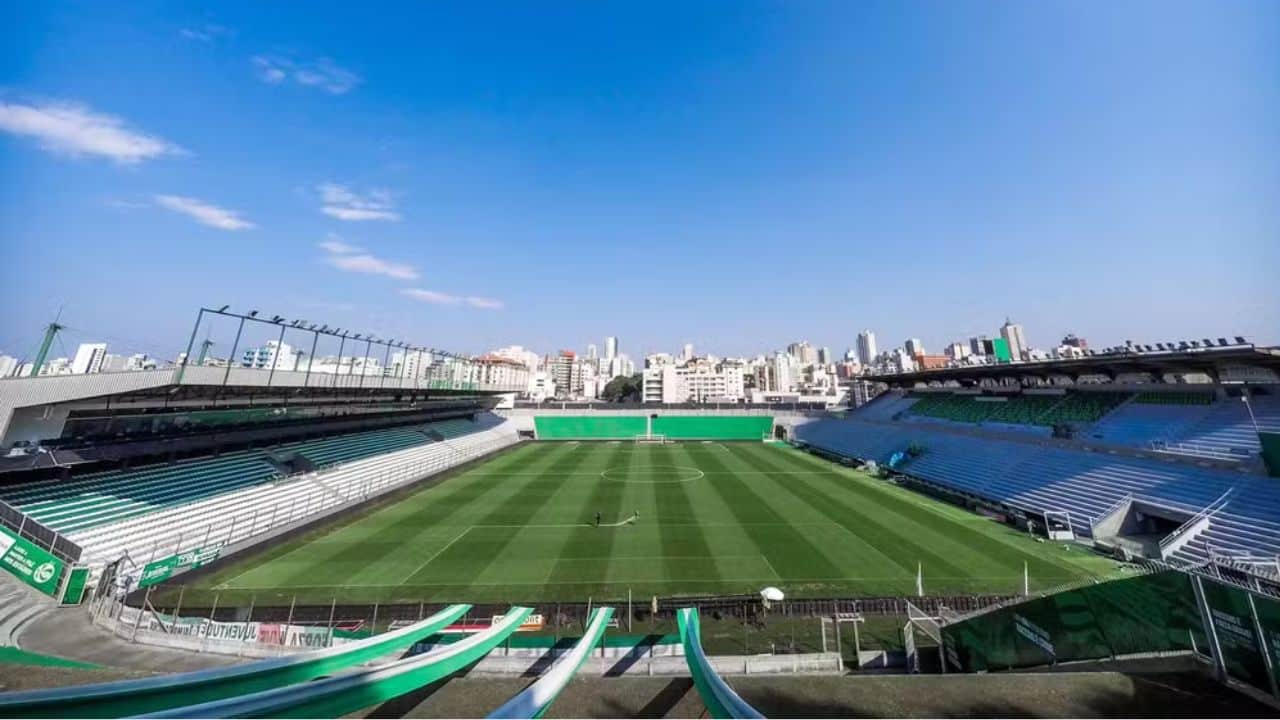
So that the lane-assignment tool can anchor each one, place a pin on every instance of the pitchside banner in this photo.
(32, 564)
(1144, 614)
(1241, 646)
(297, 636)
(1269, 619)
(157, 571)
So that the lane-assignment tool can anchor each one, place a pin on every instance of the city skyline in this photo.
(327, 167)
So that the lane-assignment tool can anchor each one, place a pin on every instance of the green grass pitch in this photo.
(678, 519)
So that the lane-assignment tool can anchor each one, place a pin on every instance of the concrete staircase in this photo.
(19, 606)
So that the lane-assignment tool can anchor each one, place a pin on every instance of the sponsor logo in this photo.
(44, 573)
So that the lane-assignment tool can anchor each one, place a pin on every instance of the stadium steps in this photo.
(190, 526)
(113, 496)
(19, 605)
(1038, 478)
(1220, 430)
(886, 406)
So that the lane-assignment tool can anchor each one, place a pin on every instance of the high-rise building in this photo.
(89, 357)
(866, 347)
(957, 351)
(783, 379)
(802, 352)
(824, 355)
(591, 351)
(1013, 335)
(913, 346)
(687, 354)
(979, 345)
(610, 347)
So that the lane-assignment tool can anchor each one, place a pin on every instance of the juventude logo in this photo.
(44, 573)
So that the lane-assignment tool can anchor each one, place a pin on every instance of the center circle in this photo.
(654, 474)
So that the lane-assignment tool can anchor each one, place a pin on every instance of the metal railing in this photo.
(27, 527)
(1191, 523)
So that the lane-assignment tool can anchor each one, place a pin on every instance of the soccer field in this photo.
(677, 519)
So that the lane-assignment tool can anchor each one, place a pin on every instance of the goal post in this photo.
(652, 439)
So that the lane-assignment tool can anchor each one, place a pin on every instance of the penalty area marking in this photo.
(692, 473)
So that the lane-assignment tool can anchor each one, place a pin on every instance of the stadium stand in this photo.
(1190, 424)
(1022, 409)
(1037, 477)
(195, 503)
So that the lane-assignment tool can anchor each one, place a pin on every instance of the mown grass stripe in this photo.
(472, 558)
(781, 544)
(984, 553)
(591, 543)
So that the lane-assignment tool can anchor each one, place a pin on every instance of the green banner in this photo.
(157, 571)
(1144, 614)
(32, 564)
(74, 592)
(1269, 619)
(1233, 622)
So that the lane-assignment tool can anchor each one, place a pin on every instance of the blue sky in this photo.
(738, 175)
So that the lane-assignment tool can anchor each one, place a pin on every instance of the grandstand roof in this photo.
(1209, 361)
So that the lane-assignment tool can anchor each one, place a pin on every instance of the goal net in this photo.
(651, 439)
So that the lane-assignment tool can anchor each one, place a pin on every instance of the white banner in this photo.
(299, 636)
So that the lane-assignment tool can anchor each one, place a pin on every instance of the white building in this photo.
(866, 347)
(541, 385)
(698, 382)
(1017, 340)
(687, 353)
(957, 351)
(115, 363)
(140, 361)
(89, 357)
(610, 348)
(802, 353)
(502, 372)
(781, 377)
(902, 362)
(8, 366)
(914, 347)
(275, 354)
(56, 366)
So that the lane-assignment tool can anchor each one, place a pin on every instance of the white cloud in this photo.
(485, 303)
(336, 246)
(76, 130)
(203, 212)
(439, 298)
(205, 33)
(321, 73)
(431, 296)
(126, 204)
(354, 259)
(343, 204)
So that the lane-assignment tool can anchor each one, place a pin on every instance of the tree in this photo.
(623, 389)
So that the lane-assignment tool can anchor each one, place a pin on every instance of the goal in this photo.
(651, 439)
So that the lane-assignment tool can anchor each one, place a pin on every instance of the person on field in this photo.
(597, 519)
